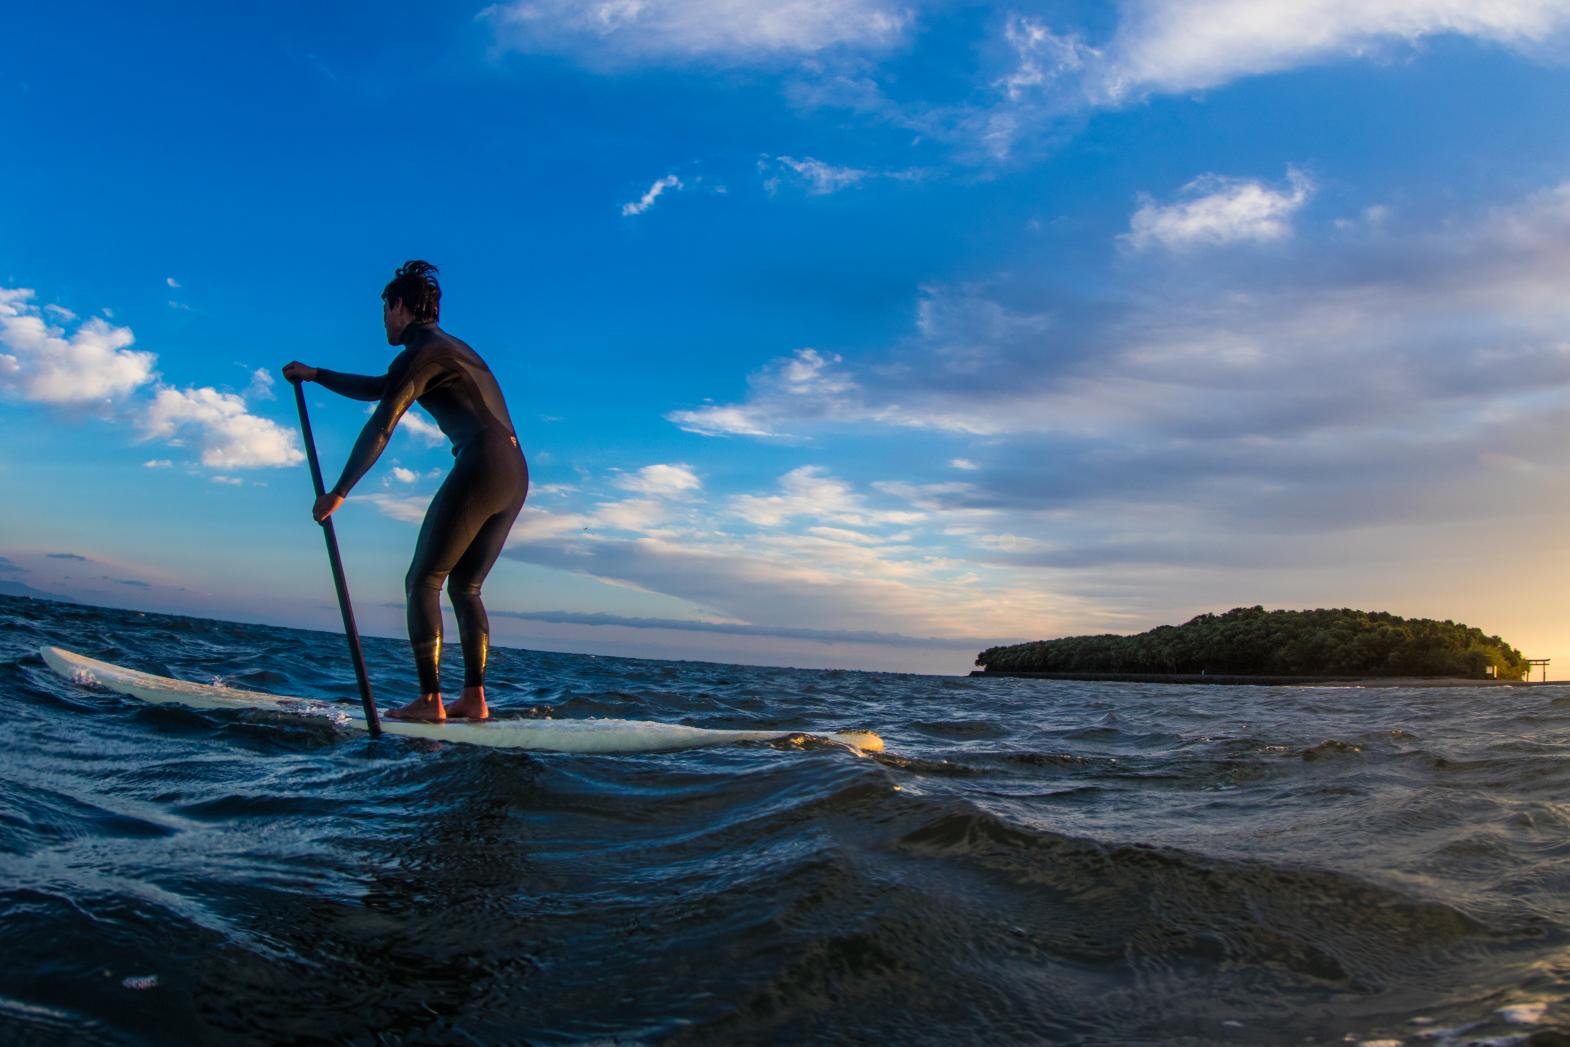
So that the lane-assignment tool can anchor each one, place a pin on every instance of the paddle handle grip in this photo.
(372, 720)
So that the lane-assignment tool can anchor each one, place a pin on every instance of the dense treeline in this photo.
(1255, 642)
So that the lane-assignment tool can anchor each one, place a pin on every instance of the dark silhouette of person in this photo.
(473, 511)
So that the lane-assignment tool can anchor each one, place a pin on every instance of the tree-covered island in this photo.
(1251, 641)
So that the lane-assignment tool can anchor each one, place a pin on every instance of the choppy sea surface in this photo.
(1028, 862)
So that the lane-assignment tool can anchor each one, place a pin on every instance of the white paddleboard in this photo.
(559, 736)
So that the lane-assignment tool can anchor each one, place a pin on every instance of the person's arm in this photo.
(354, 386)
(405, 381)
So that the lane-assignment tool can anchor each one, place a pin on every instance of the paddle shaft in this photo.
(372, 721)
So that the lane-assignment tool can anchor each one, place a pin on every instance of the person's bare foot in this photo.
(471, 706)
(427, 708)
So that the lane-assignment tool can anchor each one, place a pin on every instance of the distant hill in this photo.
(1256, 642)
(10, 588)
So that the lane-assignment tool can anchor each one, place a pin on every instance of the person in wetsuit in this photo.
(473, 511)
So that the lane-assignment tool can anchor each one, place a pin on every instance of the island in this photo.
(1253, 645)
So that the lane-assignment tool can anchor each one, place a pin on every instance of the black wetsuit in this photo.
(468, 520)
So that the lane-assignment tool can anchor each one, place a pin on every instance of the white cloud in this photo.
(94, 365)
(845, 534)
(720, 421)
(1043, 55)
(230, 436)
(632, 514)
(815, 551)
(39, 362)
(1007, 543)
(1051, 74)
(820, 178)
(1386, 371)
(403, 476)
(1185, 45)
(621, 32)
(404, 508)
(645, 202)
(938, 497)
(808, 491)
(261, 387)
(661, 481)
(1220, 211)
(804, 384)
(171, 281)
(537, 525)
(963, 463)
(823, 581)
(417, 425)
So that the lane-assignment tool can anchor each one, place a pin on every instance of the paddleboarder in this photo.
(468, 521)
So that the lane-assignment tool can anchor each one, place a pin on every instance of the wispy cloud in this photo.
(810, 492)
(820, 178)
(647, 200)
(789, 580)
(1186, 45)
(614, 33)
(739, 629)
(1038, 80)
(804, 384)
(661, 481)
(727, 420)
(1380, 374)
(1215, 211)
(1043, 56)
(814, 552)
(261, 385)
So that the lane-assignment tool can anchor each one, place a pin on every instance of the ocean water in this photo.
(1028, 862)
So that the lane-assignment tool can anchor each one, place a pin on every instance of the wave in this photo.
(1028, 861)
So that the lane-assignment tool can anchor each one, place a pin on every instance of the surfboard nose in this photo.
(866, 741)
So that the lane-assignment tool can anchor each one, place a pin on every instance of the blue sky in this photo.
(838, 332)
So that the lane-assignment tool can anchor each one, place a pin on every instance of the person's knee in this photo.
(463, 588)
(419, 579)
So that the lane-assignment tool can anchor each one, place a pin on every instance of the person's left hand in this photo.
(325, 506)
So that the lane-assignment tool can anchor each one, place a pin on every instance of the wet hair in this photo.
(414, 284)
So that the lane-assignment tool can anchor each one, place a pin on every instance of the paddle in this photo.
(372, 722)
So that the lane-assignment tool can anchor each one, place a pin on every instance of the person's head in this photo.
(412, 296)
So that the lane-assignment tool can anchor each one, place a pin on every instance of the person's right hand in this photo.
(295, 371)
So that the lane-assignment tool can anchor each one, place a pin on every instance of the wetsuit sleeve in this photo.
(354, 386)
(407, 379)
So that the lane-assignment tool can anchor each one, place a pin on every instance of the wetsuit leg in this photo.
(463, 588)
(486, 483)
